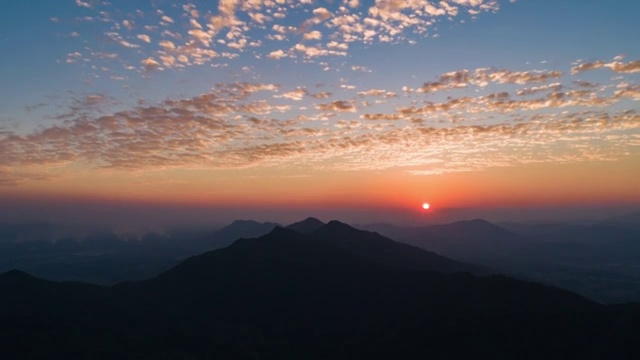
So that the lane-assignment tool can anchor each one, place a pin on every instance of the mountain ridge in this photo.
(285, 295)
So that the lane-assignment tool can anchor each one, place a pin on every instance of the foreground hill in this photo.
(288, 295)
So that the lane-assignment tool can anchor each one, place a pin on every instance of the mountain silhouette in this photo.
(469, 239)
(597, 260)
(384, 251)
(244, 228)
(469, 227)
(238, 229)
(288, 295)
(307, 225)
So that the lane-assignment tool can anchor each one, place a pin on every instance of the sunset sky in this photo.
(343, 104)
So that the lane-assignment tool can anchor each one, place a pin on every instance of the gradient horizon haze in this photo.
(164, 112)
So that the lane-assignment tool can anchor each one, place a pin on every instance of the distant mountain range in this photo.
(599, 260)
(311, 291)
(103, 257)
(462, 239)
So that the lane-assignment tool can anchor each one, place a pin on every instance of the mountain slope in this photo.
(306, 226)
(384, 251)
(288, 295)
(469, 240)
(238, 229)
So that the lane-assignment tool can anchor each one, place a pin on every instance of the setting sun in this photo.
(426, 206)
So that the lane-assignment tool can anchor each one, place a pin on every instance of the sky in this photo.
(266, 108)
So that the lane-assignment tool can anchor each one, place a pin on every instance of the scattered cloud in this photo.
(553, 118)
(201, 35)
(144, 38)
(485, 76)
(616, 66)
(83, 4)
(338, 105)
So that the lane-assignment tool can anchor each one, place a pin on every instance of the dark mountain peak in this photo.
(307, 225)
(479, 221)
(18, 278)
(335, 225)
(337, 230)
(312, 219)
(476, 226)
(266, 255)
(15, 274)
(243, 229)
(385, 252)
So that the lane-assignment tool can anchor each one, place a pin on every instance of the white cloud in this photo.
(277, 54)
(144, 38)
(83, 4)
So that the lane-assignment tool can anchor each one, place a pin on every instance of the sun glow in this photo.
(426, 206)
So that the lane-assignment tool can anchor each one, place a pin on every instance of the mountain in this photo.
(469, 240)
(469, 228)
(225, 236)
(384, 251)
(100, 256)
(287, 295)
(306, 226)
(243, 229)
(596, 260)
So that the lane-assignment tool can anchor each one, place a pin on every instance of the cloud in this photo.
(620, 67)
(321, 14)
(200, 34)
(297, 94)
(277, 54)
(321, 95)
(316, 51)
(511, 117)
(150, 64)
(632, 92)
(144, 38)
(587, 67)
(197, 133)
(83, 4)
(377, 93)
(313, 35)
(616, 66)
(338, 105)
(128, 24)
(484, 76)
(503, 103)
(538, 89)
(118, 39)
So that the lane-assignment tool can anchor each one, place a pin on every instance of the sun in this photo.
(426, 206)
